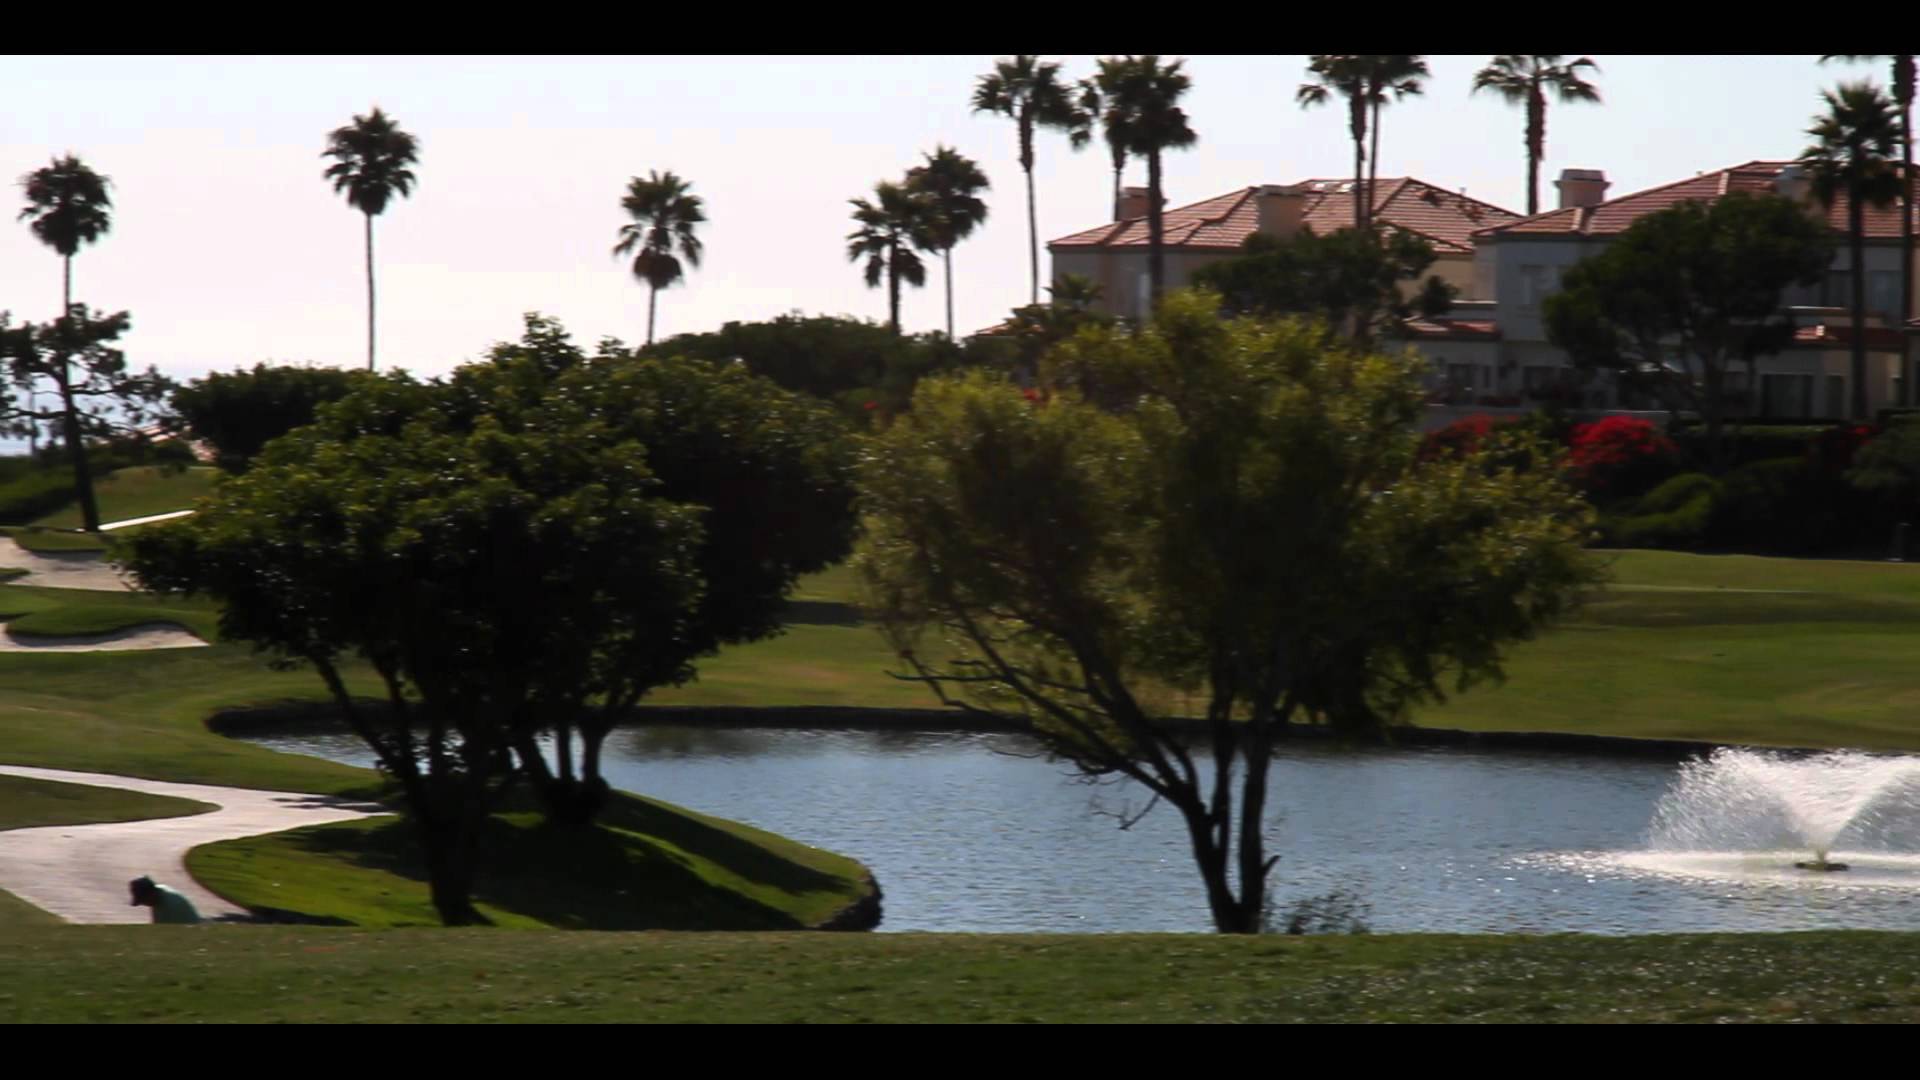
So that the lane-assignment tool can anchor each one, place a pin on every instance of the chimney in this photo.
(1793, 183)
(1280, 209)
(1133, 204)
(1582, 187)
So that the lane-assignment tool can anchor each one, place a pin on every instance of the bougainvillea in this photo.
(1461, 437)
(1617, 452)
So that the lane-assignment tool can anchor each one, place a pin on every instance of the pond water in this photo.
(976, 832)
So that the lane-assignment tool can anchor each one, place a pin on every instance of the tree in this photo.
(1853, 145)
(1144, 108)
(1526, 79)
(1090, 112)
(664, 213)
(1252, 538)
(1347, 76)
(1350, 280)
(1903, 93)
(890, 228)
(237, 413)
(1400, 76)
(1687, 292)
(372, 158)
(1031, 94)
(951, 184)
(68, 207)
(95, 394)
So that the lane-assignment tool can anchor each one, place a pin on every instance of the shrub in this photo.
(1677, 515)
(1620, 456)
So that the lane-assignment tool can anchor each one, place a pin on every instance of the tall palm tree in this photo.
(1347, 76)
(68, 207)
(1095, 95)
(665, 212)
(890, 228)
(372, 158)
(1397, 75)
(1032, 95)
(1144, 108)
(1852, 153)
(1526, 79)
(1903, 91)
(951, 185)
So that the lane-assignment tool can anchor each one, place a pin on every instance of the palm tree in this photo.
(1525, 79)
(950, 184)
(373, 156)
(1032, 94)
(68, 206)
(1091, 108)
(1143, 107)
(1397, 75)
(1852, 154)
(1903, 88)
(664, 213)
(890, 228)
(1347, 76)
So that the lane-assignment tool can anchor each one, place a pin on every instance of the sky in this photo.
(229, 248)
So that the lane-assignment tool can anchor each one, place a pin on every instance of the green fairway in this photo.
(52, 541)
(269, 974)
(27, 803)
(137, 492)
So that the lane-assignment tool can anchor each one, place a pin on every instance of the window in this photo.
(1535, 283)
(1836, 395)
(1883, 293)
(1786, 396)
(1837, 289)
(1143, 296)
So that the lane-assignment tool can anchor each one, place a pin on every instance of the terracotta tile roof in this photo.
(1455, 329)
(1822, 336)
(1224, 222)
(1614, 216)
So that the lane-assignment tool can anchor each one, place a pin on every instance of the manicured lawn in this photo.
(265, 974)
(31, 610)
(27, 803)
(49, 541)
(653, 866)
(139, 491)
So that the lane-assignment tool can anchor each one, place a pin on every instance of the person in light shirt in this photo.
(168, 906)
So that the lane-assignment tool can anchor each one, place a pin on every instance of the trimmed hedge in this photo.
(1678, 515)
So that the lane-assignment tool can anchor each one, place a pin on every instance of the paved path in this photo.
(80, 872)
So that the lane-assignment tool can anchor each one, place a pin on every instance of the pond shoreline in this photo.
(287, 717)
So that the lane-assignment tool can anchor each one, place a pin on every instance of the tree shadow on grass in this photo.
(738, 854)
(822, 613)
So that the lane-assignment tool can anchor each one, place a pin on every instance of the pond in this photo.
(976, 832)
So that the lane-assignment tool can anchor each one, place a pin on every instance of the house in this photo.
(1212, 230)
(1518, 264)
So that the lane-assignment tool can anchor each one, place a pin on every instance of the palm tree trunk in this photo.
(70, 414)
(1906, 242)
(1357, 126)
(1373, 161)
(893, 292)
(1536, 148)
(947, 255)
(1156, 259)
(653, 298)
(1033, 238)
(1856, 251)
(1116, 191)
(369, 292)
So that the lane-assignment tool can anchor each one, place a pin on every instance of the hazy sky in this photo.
(229, 248)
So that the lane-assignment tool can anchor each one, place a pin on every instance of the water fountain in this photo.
(1764, 809)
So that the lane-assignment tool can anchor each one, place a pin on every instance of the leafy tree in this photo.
(237, 413)
(1851, 155)
(665, 214)
(68, 207)
(891, 226)
(94, 393)
(1526, 79)
(372, 164)
(1031, 94)
(1352, 282)
(951, 184)
(1143, 107)
(1903, 94)
(1686, 293)
(1252, 538)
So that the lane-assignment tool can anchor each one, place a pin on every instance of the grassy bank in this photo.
(343, 976)
(139, 491)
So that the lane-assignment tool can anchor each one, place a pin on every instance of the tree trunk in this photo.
(369, 292)
(1357, 127)
(1156, 258)
(1536, 147)
(1904, 79)
(450, 872)
(653, 298)
(77, 449)
(1373, 162)
(1210, 855)
(1033, 238)
(1116, 190)
(893, 290)
(1254, 865)
(947, 257)
(1856, 250)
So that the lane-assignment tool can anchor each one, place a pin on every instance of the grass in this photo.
(27, 803)
(649, 866)
(37, 611)
(139, 491)
(52, 542)
(267, 974)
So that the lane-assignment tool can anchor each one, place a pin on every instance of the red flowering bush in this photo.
(1832, 451)
(1620, 455)
(1462, 437)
